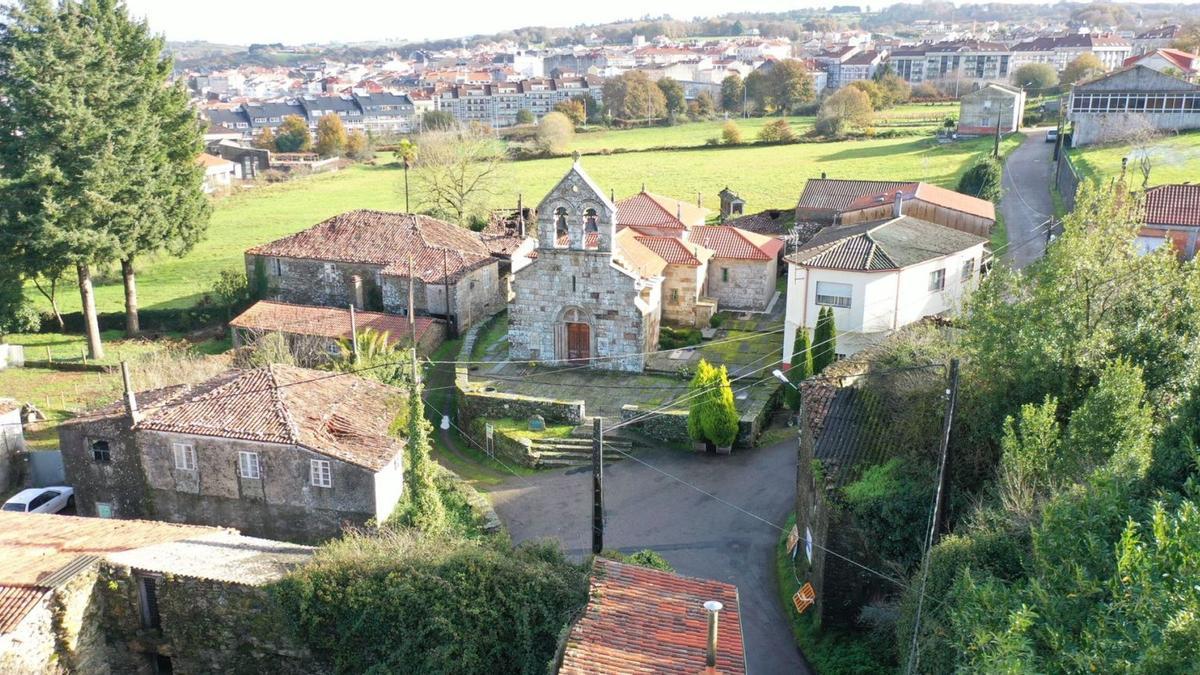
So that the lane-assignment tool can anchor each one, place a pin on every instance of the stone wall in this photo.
(119, 482)
(742, 284)
(317, 282)
(207, 626)
(681, 290)
(12, 444)
(29, 646)
(473, 298)
(62, 633)
(508, 447)
(496, 404)
(669, 425)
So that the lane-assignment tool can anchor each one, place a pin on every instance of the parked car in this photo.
(1052, 135)
(41, 500)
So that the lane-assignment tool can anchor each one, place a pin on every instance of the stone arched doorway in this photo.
(576, 337)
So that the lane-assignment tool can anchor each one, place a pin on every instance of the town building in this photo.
(1059, 51)
(971, 60)
(315, 334)
(218, 173)
(248, 162)
(826, 201)
(1172, 217)
(277, 451)
(860, 66)
(85, 595)
(497, 104)
(1169, 62)
(640, 619)
(1155, 38)
(992, 105)
(1131, 101)
(879, 276)
(367, 258)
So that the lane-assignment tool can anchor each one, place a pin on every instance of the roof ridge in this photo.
(281, 407)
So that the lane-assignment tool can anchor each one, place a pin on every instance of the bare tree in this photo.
(456, 172)
(1142, 137)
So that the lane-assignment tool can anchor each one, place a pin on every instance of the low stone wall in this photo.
(507, 447)
(669, 426)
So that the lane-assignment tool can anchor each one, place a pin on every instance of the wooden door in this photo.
(578, 342)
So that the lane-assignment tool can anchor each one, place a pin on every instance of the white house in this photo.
(218, 173)
(878, 276)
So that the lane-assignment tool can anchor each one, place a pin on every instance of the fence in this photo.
(1066, 179)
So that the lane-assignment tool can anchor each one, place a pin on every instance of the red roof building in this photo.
(1172, 215)
(641, 620)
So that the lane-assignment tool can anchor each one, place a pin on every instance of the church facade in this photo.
(584, 300)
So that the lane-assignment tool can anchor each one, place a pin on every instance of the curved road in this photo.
(697, 534)
(1025, 202)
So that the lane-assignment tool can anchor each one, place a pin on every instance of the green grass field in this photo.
(1175, 159)
(766, 176)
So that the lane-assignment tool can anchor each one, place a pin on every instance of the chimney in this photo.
(679, 211)
(356, 282)
(520, 216)
(899, 209)
(713, 608)
(131, 407)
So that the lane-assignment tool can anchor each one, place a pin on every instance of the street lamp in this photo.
(779, 375)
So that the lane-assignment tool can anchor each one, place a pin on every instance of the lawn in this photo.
(1175, 159)
(766, 176)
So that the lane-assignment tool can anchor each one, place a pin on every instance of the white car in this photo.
(41, 500)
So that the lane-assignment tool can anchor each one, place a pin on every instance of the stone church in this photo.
(585, 299)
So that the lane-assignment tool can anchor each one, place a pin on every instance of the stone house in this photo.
(583, 301)
(277, 451)
(879, 277)
(732, 205)
(85, 595)
(314, 333)
(365, 258)
(685, 276)
(744, 268)
(1132, 101)
(827, 201)
(980, 111)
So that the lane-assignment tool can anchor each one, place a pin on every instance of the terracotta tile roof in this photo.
(834, 195)
(388, 239)
(940, 196)
(35, 546)
(635, 256)
(1185, 62)
(674, 250)
(16, 602)
(736, 244)
(771, 221)
(882, 245)
(211, 161)
(329, 322)
(640, 620)
(342, 416)
(647, 209)
(1173, 205)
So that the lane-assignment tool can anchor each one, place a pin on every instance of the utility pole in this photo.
(354, 333)
(947, 420)
(597, 487)
(996, 146)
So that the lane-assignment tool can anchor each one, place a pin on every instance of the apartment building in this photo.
(975, 60)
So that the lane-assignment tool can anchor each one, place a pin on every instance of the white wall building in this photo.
(878, 277)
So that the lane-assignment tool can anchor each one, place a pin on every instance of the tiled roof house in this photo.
(1172, 215)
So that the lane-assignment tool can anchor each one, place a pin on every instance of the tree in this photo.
(699, 401)
(705, 105)
(737, 28)
(97, 150)
(406, 153)
(422, 507)
(358, 146)
(1084, 67)
(758, 92)
(721, 419)
(1187, 38)
(1035, 76)
(525, 116)
(266, 140)
(983, 180)
(730, 134)
(573, 109)
(673, 95)
(16, 314)
(293, 135)
(457, 172)
(554, 133)
(893, 89)
(633, 96)
(778, 131)
(824, 346)
(845, 108)
(732, 90)
(872, 90)
(801, 368)
(789, 86)
(331, 136)
(440, 120)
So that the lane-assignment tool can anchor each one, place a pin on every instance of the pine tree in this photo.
(801, 370)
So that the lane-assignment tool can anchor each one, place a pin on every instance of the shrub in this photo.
(778, 131)
(730, 134)
(983, 180)
(554, 133)
(524, 116)
(677, 338)
(643, 558)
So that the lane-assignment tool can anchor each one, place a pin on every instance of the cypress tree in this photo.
(823, 340)
(802, 368)
(700, 400)
(721, 420)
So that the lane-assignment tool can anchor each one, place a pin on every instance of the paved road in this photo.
(698, 535)
(1025, 203)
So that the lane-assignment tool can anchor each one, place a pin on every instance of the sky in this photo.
(305, 21)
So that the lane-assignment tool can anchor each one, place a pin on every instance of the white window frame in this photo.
(185, 456)
(248, 465)
(841, 301)
(968, 269)
(937, 280)
(320, 473)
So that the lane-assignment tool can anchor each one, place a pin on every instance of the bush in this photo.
(524, 116)
(677, 338)
(643, 558)
(399, 601)
(730, 134)
(778, 131)
(983, 180)
(716, 321)
(554, 133)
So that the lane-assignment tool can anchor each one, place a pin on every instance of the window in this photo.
(724, 274)
(248, 465)
(185, 456)
(41, 500)
(831, 294)
(968, 269)
(937, 280)
(319, 473)
(276, 267)
(675, 295)
(148, 601)
(104, 510)
(100, 451)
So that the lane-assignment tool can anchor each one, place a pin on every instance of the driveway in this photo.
(698, 535)
(1025, 203)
